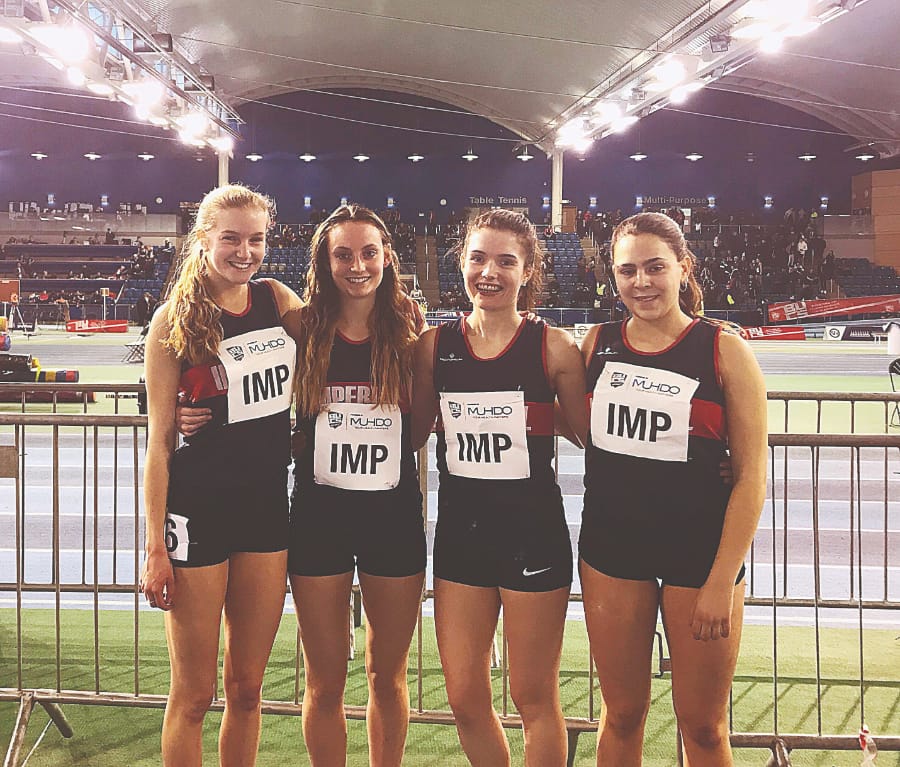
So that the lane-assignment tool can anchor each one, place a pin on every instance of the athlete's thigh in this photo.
(533, 625)
(465, 620)
(192, 625)
(702, 672)
(254, 604)
(323, 614)
(621, 621)
(392, 608)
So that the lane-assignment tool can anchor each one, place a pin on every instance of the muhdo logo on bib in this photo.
(335, 419)
(475, 410)
(455, 408)
(263, 347)
(659, 387)
(618, 379)
(237, 352)
(360, 421)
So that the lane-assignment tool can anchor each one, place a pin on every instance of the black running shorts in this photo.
(333, 531)
(520, 544)
(207, 522)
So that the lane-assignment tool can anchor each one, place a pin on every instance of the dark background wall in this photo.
(722, 126)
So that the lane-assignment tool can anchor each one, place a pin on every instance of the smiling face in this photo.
(356, 259)
(236, 245)
(648, 276)
(494, 268)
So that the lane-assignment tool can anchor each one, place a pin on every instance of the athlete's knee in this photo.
(625, 718)
(191, 703)
(535, 699)
(323, 693)
(703, 733)
(243, 693)
(388, 684)
(469, 700)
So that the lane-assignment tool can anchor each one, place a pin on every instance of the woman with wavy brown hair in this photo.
(217, 508)
(356, 504)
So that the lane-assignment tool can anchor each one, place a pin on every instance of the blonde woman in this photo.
(217, 508)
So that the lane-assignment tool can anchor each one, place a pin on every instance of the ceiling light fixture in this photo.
(146, 156)
(623, 123)
(10, 36)
(307, 157)
(361, 157)
(39, 155)
(92, 156)
(470, 156)
(222, 144)
(254, 157)
(638, 156)
(415, 157)
(693, 156)
(865, 156)
(806, 157)
(772, 43)
(100, 88)
(524, 156)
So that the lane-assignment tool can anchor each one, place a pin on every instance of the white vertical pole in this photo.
(556, 186)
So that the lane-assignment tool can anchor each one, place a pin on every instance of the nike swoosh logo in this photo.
(526, 572)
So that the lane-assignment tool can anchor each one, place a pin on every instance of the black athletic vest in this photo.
(231, 452)
(617, 484)
(522, 366)
(350, 380)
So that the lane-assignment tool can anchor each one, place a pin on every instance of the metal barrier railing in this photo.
(93, 462)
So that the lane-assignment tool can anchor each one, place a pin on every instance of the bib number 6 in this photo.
(177, 538)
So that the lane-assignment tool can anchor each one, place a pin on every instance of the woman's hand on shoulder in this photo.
(290, 307)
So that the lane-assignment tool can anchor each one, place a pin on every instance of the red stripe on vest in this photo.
(708, 420)
(539, 419)
(202, 382)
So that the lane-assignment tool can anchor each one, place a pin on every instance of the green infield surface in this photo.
(110, 737)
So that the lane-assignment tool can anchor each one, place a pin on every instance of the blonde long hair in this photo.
(393, 323)
(195, 330)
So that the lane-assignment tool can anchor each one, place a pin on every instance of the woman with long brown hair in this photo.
(661, 529)
(217, 509)
(356, 504)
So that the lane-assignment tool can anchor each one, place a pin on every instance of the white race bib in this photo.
(358, 446)
(485, 434)
(260, 368)
(644, 412)
(177, 537)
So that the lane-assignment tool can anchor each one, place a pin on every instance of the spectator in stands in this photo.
(143, 309)
(217, 507)
(110, 238)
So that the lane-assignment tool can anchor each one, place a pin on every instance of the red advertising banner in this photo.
(770, 333)
(795, 310)
(97, 326)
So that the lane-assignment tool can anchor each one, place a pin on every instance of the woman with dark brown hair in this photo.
(661, 529)
(356, 503)
(501, 537)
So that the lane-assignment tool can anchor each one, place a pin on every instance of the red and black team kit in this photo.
(228, 483)
(654, 501)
